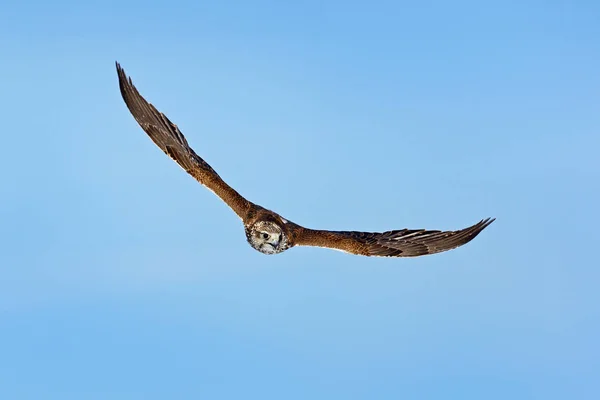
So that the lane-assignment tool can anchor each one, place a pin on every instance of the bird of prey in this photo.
(267, 231)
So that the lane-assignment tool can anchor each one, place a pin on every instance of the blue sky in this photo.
(122, 278)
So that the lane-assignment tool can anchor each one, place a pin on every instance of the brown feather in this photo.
(399, 243)
(169, 139)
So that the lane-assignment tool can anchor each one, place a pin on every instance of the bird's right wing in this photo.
(399, 243)
(169, 139)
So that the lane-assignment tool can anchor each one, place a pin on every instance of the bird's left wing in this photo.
(399, 243)
(167, 136)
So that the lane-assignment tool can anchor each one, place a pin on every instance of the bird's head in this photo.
(268, 237)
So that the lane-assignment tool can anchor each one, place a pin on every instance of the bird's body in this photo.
(267, 231)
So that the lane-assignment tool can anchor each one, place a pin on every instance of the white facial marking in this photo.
(267, 237)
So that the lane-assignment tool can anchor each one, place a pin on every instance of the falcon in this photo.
(267, 231)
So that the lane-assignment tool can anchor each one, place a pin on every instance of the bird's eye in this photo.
(265, 235)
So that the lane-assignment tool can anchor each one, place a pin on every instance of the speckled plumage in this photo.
(268, 232)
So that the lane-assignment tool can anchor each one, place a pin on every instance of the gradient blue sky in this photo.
(122, 278)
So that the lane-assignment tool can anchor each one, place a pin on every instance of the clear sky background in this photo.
(122, 278)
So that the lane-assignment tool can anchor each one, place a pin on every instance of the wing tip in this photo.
(474, 230)
(484, 223)
(129, 92)
(120, 70)
(124, 80)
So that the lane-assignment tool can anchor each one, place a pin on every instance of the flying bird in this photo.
(267, 231)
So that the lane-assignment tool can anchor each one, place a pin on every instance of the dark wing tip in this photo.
(120, 70)
(125, 82)
(413, 243)
(484, 223)
(471, 232)
(464, 236)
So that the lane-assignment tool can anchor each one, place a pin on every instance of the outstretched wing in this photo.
(401, 243)
(169, 138)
